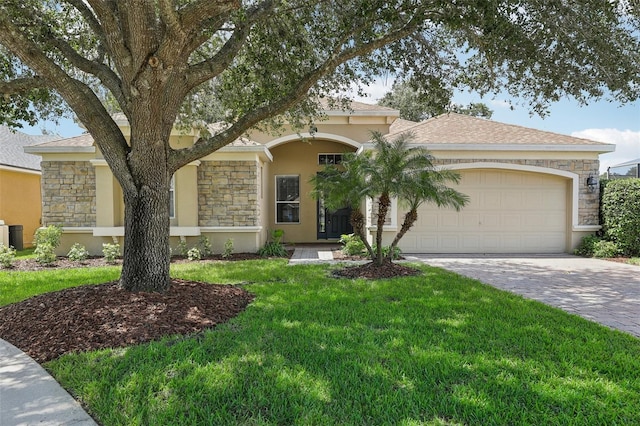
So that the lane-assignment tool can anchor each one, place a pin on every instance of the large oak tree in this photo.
(261, 61)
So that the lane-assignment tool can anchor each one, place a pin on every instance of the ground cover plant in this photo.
(434, 348)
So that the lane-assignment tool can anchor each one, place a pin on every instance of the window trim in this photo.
(333, 155)
(172, 197)
(286, 202)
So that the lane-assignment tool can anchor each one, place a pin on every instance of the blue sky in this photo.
(602, 121)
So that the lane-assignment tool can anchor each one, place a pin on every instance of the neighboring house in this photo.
(626, 170)
(528, 188)
(20, 202)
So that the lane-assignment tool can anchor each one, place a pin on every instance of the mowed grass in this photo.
(437, 349)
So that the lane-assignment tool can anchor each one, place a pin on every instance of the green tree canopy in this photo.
(265, 61)
(417, 103)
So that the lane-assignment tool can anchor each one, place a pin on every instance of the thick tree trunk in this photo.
(146, 248)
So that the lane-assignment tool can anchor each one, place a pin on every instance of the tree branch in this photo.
(203, 147)
(213, 66)
(197, 13)
(22, 85)
(105, 74)
(113, 35)
(78, 95)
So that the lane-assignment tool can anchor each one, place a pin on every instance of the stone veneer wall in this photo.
(228, 193)
(588, 202)
(68, 193)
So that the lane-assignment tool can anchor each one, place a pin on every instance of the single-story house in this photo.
(20, 203)
(528, 188)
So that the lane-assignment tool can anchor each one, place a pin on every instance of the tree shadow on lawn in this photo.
(435, 348)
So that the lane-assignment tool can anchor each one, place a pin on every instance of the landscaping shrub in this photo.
(228, 248)
(110, 252)
(45, 253)
(604, 248)
(397, 253)
(587, 246)
(621, 214)
(7, 256)
(205, 246)
(194, 254)
(78, 253)
(182, 248)
(49, 235)
(352, 245)
(274, 248)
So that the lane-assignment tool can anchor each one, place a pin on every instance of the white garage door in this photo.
(508, 212)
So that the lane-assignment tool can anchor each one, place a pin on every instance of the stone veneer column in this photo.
(68, 193)
(228, 193)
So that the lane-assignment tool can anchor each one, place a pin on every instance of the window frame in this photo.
(280, 202)
(172, 197)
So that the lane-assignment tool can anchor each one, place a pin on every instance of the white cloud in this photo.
(500, 103)
(627, 144)
(375, 90)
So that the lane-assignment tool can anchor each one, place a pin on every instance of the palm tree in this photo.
(394, 169)
(345, 185)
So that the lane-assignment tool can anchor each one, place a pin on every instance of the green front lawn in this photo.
(436, 349)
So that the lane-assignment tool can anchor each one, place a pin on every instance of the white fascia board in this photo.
(239, 229)
(365, 113)
(20, 169)
(509, 147)
(260, 150)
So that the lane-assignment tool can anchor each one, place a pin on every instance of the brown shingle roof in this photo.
(452, 128)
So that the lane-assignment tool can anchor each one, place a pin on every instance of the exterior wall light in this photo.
(592, 182)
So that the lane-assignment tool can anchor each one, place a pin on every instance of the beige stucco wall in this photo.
(299, 158)
(20, 202)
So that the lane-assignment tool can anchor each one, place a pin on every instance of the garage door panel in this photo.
(509, 212)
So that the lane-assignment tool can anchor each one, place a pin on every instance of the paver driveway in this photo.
(599, 290)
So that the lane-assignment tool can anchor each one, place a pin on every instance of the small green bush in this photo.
(7, 256)
(49, 235)
(274, 248)
(78, 253)
(110, 252)
(605, 249)
(397, 253)
(194, 254)
(587, 246)
(621, 214)
(45, 253)
(205, 246)
(228, 248)
(634, 261)
(352, 245)
(182, 248)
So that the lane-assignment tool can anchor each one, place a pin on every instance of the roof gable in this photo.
(459, 129)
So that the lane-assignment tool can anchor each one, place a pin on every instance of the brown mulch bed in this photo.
(105, 316)
(371, 271)
(102, 316)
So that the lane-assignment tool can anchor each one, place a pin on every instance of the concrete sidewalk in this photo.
(30, 396)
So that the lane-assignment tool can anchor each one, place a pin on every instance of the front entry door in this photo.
(333, 224)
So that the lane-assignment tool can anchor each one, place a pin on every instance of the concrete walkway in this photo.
(599, 290)
(30, 396)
